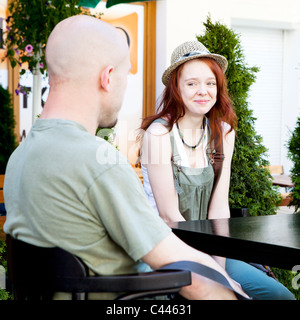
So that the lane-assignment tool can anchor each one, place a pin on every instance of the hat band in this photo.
(193, 53)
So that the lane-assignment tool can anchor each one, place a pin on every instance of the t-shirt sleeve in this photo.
(125, 212)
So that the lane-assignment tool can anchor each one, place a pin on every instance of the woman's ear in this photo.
(105, 78)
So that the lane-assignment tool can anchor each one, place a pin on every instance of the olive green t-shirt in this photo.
(66, 188)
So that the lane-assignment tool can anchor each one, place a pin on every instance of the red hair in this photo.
(172, 108)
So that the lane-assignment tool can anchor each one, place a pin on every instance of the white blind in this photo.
(264, 48)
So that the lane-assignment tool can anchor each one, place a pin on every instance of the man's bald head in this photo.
(88, 64)
(80, 46)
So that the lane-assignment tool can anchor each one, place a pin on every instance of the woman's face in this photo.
(198, 87)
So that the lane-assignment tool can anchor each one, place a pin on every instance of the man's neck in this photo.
(56, 108)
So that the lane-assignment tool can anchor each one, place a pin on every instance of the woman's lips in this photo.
(201, 101)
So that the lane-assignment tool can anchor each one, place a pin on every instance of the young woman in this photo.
(179, 143)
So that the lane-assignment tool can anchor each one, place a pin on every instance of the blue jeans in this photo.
(256, 283)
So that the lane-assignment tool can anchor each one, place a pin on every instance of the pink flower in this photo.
(29, 48)
(16, 51)
(41, 65)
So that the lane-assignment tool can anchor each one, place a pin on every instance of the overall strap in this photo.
(176, 161)
(176, 158)
(217, 154)
(159, 120)
(218, 159)
(162, 121)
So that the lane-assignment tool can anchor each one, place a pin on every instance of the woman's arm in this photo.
(156, 157)
(219, 205)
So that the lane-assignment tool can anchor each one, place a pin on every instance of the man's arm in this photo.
(172, 249)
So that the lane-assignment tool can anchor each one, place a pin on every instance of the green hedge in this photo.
(294, 155)
(251, 185)
(7, 125)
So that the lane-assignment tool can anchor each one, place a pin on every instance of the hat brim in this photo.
(222, 62)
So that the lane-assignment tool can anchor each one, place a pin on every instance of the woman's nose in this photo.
(201, 90)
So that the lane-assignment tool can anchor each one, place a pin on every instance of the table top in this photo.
(272, 240)
(282, 180)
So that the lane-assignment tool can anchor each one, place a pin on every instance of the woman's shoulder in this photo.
(159, 127)
(225, 126)
(228, 133)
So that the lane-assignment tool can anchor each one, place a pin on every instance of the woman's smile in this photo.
(201, 101)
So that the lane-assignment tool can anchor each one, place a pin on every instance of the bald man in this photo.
(64, 187)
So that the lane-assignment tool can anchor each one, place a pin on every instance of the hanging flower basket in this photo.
(27, 30)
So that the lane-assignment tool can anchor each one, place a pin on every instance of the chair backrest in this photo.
(36, 273)
(33, 271)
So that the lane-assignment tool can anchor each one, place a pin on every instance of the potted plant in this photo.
(294, 155)
(251, 184)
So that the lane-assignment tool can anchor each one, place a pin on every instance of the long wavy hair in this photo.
(172, 108)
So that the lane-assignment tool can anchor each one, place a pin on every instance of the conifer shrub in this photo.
(294, 155)
(251, 183)
(7, 124)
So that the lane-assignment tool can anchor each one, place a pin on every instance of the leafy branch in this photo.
(28, 27)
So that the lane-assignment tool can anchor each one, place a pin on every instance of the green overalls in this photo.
(193, 185)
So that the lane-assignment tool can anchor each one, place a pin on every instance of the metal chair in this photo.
(36, 273)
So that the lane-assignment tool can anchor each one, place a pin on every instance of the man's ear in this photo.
(105, 78)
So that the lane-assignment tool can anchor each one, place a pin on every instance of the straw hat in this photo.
(188, 51)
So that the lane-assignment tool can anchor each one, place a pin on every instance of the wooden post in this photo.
(149, 58)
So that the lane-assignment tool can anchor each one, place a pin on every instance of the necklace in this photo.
(200, 140)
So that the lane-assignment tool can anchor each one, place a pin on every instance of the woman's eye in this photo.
(211, 84)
